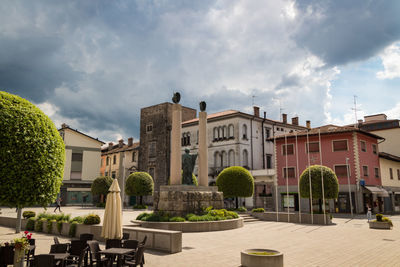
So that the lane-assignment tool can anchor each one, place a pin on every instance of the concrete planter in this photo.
(306, 218)
(380, 225)
(65, 229)
(255, 258)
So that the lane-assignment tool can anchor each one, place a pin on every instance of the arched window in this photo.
(230, 131)
(231, 158)
(219, 133)
(215, 133)
(245, 158)
(188, 139)
(184, 139)
(224, 159)
(225, 132)
(244, 129)
(217, 159)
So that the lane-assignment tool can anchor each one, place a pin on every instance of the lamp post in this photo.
(348, 182)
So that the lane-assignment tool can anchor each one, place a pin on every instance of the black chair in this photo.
(143, 243)
(79, 262)
(59, 248)
(6, 256)
(113, 243)
(44, 260)
(132, 244)
(125, 236)
(86, 237)
(56, 241)
(76, 249)
(31, 252)
(95, 256)
(138, 258)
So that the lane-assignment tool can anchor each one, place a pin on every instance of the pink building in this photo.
(351, 153)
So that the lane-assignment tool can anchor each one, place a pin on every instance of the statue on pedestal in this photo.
(188, 162)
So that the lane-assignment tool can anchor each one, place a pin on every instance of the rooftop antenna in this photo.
(280, 109)
(355, 110)
(252, 99)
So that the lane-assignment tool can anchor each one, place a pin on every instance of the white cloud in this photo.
(391, 62)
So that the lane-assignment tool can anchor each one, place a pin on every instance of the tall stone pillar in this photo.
(176, 157)
(203, 155)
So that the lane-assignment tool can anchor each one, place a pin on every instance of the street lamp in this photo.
(348, 182)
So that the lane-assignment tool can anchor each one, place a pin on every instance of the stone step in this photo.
(252, 220)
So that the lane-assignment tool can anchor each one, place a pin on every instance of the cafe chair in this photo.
(56, 241)
(6, 256)
(95, 256)
(31, 252)
(113, 243)
(125, 236)
(76, 249)
(79, 262)
(132, 244)
(59, 248)
(138, 260)
(44, 260)
(86, 237)
(143, 243)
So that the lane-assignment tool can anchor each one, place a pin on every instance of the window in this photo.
(290, 172)
(113, 175)
(339, 145)
(224, 158)
(152, 149)
(267, 132)
(341, 170)
(219, 133)
(217, 159)
(363, 146)
(215, 133)
(114, 159)
(245, 158)
(398, 174)
(76, 165)
(149, 127)
(376, 172)
(77, 156)
(231, 158)
(244, 131)
(134, 156)
(230, 131)
(391, 173)
(186, 139)
(312, 147)
(106, 174)
(102, 162)
(374, 150)
(107, 161)
(62, 135)
(365, 170)
(290, 149)
(225, 132)
(269, 161)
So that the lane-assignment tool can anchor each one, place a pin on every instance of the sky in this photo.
(95, 64)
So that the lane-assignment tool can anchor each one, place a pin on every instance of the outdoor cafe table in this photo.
(117, 252)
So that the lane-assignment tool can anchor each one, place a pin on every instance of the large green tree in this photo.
(100, 186)
(139, 184)
(316, 172)
(31, 155)
(235, 182)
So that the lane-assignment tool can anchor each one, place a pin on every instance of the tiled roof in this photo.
(327, 129)
(116, 148)
(75, 130)
(389, 156)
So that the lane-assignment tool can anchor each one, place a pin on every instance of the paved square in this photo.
(346, 243)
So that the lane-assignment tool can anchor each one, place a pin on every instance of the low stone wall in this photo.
(293, 217)
(157, 239)
(187, 227)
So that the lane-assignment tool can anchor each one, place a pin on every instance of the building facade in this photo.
(155, 140)
(82, 161)
(351, 153)
(118, 162)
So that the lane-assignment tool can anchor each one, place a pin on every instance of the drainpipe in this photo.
(263, 139)
(251, 141)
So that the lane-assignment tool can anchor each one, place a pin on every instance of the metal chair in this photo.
(95, 256)
(76, 249)
(59, 248)
(86, 237)
(6, 255)
(132, 244)
(113, 243)
(79, 262)
(44, 260)
(125, 236)
(56, 241)
(138, 258)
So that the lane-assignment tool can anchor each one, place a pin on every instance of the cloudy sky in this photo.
(95, 64)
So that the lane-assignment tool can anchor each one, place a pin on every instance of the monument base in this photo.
(179, 200)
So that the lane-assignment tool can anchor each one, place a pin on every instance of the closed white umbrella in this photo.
(112, 222)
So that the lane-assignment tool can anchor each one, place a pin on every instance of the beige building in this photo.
(82, 161)
(118, 161)
(389, 156)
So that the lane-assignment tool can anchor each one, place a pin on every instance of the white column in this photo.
(203, 153)
(176, 157)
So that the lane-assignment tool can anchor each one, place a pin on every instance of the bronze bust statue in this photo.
(188, 162)
(176, 98)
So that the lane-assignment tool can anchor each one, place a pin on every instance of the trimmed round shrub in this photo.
(32, 154)
(28, 214)
(141, 216)
(177, 219)
(30, 224)
(101, 185)
(139, 184)
(139, 207)
(77, 219)
(92, 219)
(331, 185)
(235, 181)
(258, 210)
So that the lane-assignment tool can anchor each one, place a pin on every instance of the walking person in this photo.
(58, 202)
(369, 213)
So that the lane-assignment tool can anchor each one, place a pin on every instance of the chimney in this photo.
(284, 118)
(120, 142)
(308, 124)
(265, 115)
(295, 120)
(110, 145)
(256, 111)
(130, 141)
(64, 125)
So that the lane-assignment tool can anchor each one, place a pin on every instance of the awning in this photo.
(378, 191)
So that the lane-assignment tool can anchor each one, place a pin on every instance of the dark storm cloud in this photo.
(342, 31)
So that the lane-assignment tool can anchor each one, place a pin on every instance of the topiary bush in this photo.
(28, 214)
(77, 219)
(331, 184)
(258, 210)
(101, 185)
(139, 184)
(142, 215)
(139, 207)
(236, 182)
(32, 155)
(379, 217)
(72, 229)
(92, 219)
(30, 224)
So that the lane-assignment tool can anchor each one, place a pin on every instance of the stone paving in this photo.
(346, 243)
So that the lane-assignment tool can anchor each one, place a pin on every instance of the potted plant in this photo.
(21, 245)
(381, 222)
(261, 257)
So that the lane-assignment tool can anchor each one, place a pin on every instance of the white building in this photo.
(239, 139)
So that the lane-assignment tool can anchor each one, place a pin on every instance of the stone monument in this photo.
(178, 199)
